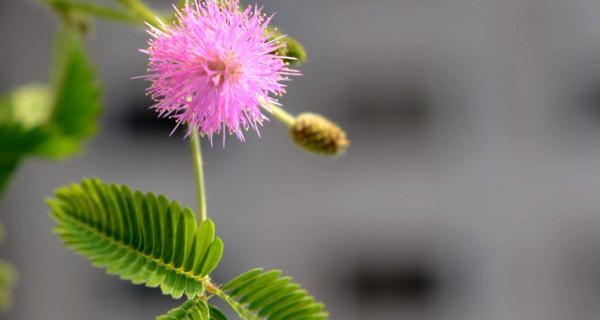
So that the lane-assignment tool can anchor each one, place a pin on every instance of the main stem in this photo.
(199, 169)
(145, 13)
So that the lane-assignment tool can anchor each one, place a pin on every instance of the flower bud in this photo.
(315, 133)
(291, 48)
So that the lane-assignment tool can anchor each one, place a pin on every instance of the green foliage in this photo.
(20, 129)
(37, 120)
(48, 122)
(266, 295)
(15, 142)
(149, 240)
(76, 99)
(190, 310)
(8, 278)
(140, 237)
(28, 106)
(216, 314)
(194, 310)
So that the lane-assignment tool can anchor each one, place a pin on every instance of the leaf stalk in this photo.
(280, 114)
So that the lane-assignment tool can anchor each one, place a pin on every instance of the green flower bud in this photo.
(292, 48)
(316, 134)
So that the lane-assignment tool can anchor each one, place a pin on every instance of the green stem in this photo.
(283, 116)
(236, 306)
(199, 169)
(93, 10)
(143, 12)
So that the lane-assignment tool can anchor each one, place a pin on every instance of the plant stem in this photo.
(143, 12)
(283, 116)
(93, 10)
(199, 169)
(236, 306)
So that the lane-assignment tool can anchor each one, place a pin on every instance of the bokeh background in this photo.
(471, 190)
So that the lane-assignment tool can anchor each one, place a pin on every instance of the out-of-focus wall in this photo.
(471, 190)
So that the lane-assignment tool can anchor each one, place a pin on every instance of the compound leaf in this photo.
(140, 237)
(190, 310)
(257, 294)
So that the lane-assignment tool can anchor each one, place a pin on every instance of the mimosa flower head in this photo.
(215, 67)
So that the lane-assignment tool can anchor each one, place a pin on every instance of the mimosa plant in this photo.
(215, 68)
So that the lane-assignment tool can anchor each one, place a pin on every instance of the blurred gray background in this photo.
(471, 190)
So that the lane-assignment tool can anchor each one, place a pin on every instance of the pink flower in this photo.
(215, 67)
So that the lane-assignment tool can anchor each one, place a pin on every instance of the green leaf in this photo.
(22, 113)
(140, 237)
(51, 123)
(15, 142)
(190, 310)
(194, 310)
(8, 277)
(6, 170)
(217, 314)
(266, 295)
(76, 105)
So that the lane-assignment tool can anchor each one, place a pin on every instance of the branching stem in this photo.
(236, 306)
